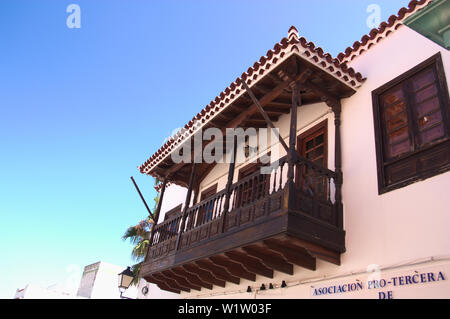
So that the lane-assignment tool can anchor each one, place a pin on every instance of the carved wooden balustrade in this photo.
(258, 209)
(315, 190)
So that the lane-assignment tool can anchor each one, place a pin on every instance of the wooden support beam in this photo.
(298, 80)
(279, 105)
(274, 78)
(204, 275)
(161, 284)
(292, 255)
(277, 114)
(160, 200)
(158, 210)
(142, 198)
(292, 153)
(255, 124)
(152, 279)
(326, 96)
(338, 165)
(261, 90)
(250, 263)
(270, 259)
(166, 287)
(317, 251)
(277, 109)
(217, 271)
(192, 278)
(285, 99)
(258, 117)
(231, 167)
(180, 280)
(196, 191)
(239, 107)
(243, 116)
(252, 109)
(218, 123)
(263, 113)
(186, 204)
(224, 117)
(170, 282)
(233, 268)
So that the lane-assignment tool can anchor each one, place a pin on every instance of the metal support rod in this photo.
(142, 197)
(264, 114)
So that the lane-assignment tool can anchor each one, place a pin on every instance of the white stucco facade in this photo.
(399, 238)
(100, 281)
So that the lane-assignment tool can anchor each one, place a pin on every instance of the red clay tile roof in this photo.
(283, 49)
(385, 29)
(280, 52)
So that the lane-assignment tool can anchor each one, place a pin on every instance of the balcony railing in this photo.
(253, 199)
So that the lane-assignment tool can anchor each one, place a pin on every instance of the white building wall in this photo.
(153, 291)
(408, 223)
(32, 291)
(307, 117)
(100, 281)
(400, 233)
(173, 196)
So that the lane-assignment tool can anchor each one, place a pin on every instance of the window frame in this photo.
(173, 212)
(320, 128)
(382, 161)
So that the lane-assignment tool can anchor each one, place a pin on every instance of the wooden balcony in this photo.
(271, 224)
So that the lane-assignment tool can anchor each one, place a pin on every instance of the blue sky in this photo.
(80, 109)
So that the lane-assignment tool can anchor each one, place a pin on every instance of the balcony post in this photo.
(226, 206)
(338, 164)
(195, 198)
(186, 204)
(160, 200)
(158, 210)
(292, 154)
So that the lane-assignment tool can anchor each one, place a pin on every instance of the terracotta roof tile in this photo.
(376, 35)
(281, 51)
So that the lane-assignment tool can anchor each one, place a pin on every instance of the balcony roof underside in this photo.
(273, 92)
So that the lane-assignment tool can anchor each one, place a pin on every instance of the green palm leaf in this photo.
(139, 236)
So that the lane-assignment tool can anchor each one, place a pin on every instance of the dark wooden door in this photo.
(313, 145)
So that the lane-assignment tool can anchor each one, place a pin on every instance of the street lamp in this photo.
(125, 279)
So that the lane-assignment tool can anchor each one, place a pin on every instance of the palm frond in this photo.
(132, 233)
(136, 268)
(139, 250)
